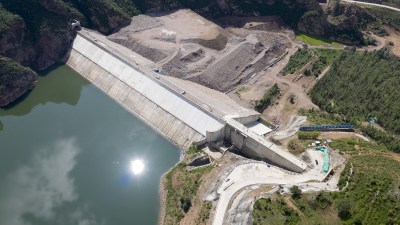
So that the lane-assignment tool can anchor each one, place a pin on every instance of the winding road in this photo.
(372, 4)
(259, 173)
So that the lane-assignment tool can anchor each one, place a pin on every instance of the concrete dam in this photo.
(182, 111)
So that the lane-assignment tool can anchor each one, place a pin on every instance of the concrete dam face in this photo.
(177, 109)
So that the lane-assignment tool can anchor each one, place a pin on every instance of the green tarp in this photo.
(325, 167)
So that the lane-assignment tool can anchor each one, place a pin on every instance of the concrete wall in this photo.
(162, 121)
(247, 119)
(212, 136)
(255, 146)
(154, 90)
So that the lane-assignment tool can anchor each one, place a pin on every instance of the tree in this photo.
(344, 210)
(307, 72)
(296, 192)
(186, 203)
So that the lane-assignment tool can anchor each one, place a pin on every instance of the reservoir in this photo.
(70, 155)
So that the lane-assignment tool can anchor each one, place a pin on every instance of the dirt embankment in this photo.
(394, 41)
(185, 45)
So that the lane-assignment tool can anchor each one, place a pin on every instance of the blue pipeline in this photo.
(327, 127)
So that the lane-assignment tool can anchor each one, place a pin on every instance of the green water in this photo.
(66, 152)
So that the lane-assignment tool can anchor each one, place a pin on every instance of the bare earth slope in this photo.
(185, 45)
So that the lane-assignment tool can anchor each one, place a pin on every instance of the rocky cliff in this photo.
(15, 80)
(37, 33)
(342, 23)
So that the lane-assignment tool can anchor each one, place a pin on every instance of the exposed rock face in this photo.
(314, 23)
(34, 40)
(106, 16)
(15, 80)
(38, 33)
(342, 23)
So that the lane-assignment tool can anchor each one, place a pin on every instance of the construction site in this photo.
(196, 81)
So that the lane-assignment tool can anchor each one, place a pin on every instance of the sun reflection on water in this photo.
(137, 166)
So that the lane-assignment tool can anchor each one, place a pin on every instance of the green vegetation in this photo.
(362, 85)
(386, 16)
(39, 19)
(268, 98)
(10, 72)
(392, 142)
(353, 147)
(1, 125)
(11, 69)
(316, 117)
(181, 186)
(308, 134)
(7, 20)
(312, 40)
(394, 3)
(296, 192)
(193, 150)
(242, 89)
(369, 195)
(296, 146)
(297, 61)
(316, 208)
(274, 212)
(99, 12)
(324, 57)
(205, 211)
(377, 28)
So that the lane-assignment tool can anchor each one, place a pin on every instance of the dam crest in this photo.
(182, 111)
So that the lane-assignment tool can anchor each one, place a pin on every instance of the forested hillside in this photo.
(362, 85)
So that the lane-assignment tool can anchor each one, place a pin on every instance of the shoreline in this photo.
(162, 194)
(162, 191)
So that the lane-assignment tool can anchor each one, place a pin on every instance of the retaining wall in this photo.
(165, 111)
(213, 136)
(257, 147)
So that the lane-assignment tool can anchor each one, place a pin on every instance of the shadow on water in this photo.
(57, 84)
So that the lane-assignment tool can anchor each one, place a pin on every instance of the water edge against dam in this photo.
(71, 155)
